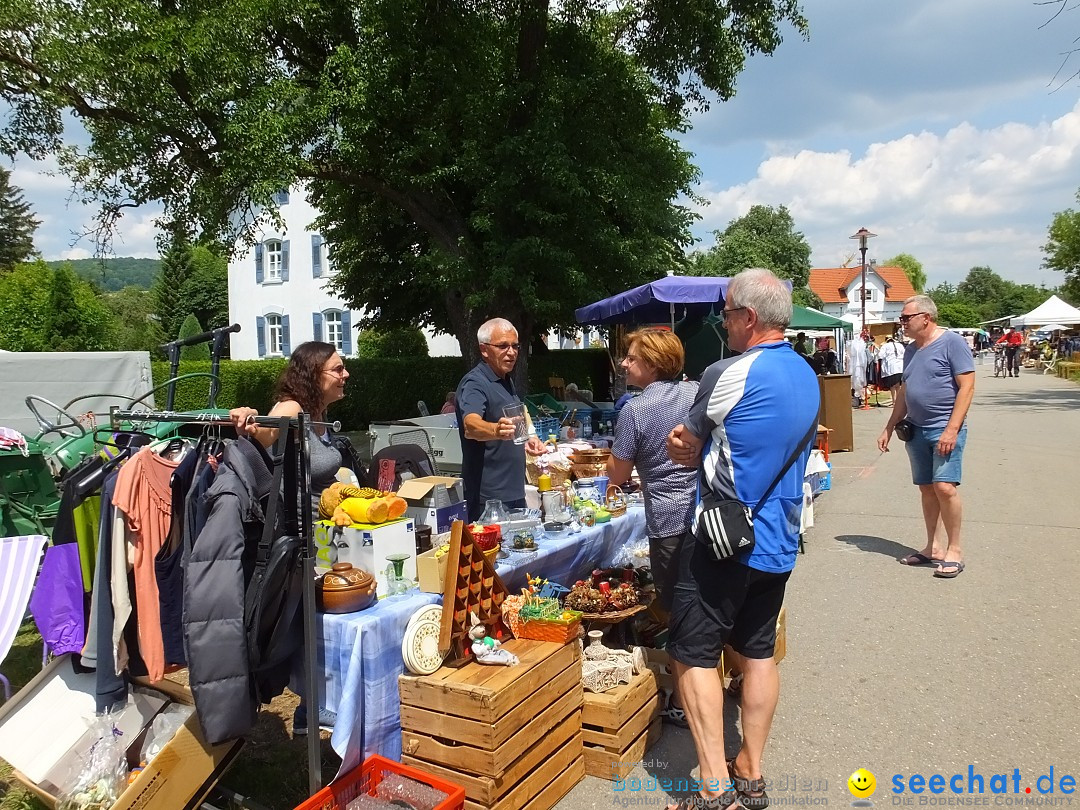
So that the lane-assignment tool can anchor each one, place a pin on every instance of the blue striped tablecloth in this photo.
(361, 652)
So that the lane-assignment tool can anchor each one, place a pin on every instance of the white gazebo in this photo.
(1052, 310)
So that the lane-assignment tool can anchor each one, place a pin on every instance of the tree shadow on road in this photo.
(875, 545)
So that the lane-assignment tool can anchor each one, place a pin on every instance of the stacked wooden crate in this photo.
(511, 736)
(620, 725)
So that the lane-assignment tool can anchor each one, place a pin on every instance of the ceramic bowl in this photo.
(344, 589)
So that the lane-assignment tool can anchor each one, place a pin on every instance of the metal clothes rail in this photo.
(300, 424)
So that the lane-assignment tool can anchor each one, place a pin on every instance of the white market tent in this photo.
(1052, 310)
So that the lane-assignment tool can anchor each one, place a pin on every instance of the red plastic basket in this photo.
(365, 778)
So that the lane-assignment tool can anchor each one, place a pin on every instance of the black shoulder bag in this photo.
(726, 526)
(275, 589)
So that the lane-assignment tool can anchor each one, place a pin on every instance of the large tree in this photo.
(42, 310)
(469, 158)
(763, 237)
(912, 268)
(17, 224)
(1062, 249)
(170, 287)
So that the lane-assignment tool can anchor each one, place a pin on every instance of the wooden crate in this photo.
(511, 736)
(619, 726)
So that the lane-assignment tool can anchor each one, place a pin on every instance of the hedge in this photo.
(379, 389)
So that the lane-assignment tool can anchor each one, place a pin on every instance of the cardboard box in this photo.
(367, 546)
(179, 776)
(435, 501)
(431, 571)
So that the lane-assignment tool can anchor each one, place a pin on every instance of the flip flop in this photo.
(948, 569)
(917, 558)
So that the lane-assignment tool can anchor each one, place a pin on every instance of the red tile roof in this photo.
(831, 283)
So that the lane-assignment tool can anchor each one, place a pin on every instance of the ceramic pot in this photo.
(344, 589)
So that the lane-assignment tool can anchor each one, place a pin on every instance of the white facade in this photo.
(278, 292)
(878, 310)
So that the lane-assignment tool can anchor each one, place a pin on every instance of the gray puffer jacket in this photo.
(218, 568)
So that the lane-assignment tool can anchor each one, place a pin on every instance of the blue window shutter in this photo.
(316, 319)
(259, 264)
(260, 333)
(281, 197)
(346, 332)
(286, 348)
(285, 260)
(316, 255)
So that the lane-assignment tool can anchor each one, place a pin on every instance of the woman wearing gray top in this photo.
(313, 380)
(654, 358)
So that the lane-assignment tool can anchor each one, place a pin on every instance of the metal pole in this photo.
(862, 292)
(311, 651)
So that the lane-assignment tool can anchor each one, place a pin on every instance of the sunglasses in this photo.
(505, 347)
(906, 318)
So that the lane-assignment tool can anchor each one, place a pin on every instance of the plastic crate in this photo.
(544, 405)
(366, 777)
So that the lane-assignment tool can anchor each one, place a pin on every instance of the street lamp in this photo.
(862, 235)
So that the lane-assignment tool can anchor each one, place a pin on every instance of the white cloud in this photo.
(968, 197)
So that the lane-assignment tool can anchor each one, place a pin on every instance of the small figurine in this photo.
(489, 650)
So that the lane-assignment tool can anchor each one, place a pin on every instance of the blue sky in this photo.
(937, 125)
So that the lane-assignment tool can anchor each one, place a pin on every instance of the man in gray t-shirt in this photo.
(938, 386)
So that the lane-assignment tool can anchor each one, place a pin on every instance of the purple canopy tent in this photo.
(656, 301)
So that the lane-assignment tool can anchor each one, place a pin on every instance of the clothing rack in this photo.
(307, 536)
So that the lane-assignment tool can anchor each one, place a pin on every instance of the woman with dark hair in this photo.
(313, 380)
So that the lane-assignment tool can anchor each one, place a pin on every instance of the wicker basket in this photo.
(613, 616)
(615, 501)
(558, 630)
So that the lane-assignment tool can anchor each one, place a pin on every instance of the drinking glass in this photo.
(516, 413)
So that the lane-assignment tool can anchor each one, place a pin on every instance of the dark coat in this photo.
(218, 568)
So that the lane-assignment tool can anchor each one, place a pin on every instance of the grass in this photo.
(271, 769)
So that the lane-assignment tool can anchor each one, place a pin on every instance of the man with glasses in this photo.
(752, 415)
(937, 389)
(492, 466)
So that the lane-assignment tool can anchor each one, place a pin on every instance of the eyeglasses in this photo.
(906, 318)
(505, 347)
(337, 371)
(631, 358)
(725, 312)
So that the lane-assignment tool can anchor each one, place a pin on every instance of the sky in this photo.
(939, 126)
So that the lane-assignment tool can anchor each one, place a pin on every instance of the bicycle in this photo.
(999, 362)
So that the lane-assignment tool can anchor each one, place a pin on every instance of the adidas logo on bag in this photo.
(743, 542)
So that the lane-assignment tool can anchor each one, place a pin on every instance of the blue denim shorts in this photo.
(927, 466)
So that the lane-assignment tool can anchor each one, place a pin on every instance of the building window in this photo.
(273, 260)
(334, 332)
(274, 335)
(281, 197)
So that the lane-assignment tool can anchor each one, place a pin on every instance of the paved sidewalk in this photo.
(893, 670)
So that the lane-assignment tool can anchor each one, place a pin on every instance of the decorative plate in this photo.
(420, 648)
(431, 613)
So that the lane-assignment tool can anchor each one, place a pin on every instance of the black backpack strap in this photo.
(275, 490)
(787, 466)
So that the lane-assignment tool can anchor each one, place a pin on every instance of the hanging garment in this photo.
(215, 579)
(144, 496)
(57, 602)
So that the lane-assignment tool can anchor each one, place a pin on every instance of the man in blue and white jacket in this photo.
(750, 414)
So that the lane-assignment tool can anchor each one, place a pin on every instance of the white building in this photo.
(278, 292)
(841, 292)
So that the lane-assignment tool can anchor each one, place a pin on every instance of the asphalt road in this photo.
(895, 671)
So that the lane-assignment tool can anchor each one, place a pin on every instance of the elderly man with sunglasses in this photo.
(492, 466)
(938, 386)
